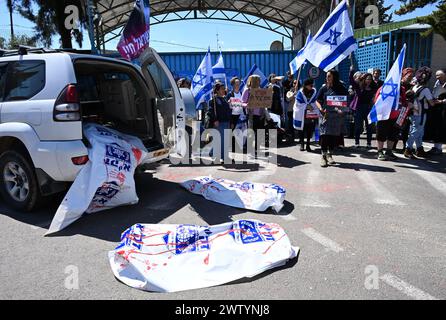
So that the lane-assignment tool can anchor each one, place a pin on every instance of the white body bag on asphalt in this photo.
(169, 258)
(106, 181)
(246, 195)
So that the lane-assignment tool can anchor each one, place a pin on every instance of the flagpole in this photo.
(353, 17)
(298, 75)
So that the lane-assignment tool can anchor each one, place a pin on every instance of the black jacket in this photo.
(276, 107)
(219, 110)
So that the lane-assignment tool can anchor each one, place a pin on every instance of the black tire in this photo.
(27, 179)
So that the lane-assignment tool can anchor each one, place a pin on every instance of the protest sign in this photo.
(260, 98)
(136, 34)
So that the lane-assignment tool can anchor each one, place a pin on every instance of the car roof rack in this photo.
(23, 50)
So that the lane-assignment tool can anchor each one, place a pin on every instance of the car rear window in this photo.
(24, 79)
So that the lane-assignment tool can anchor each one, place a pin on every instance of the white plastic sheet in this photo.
(106, 181)
(169, 258)
(247, 195)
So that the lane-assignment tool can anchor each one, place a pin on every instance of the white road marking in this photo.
(380, 194)
(312, 199)
(406, 288)
(433, 179)
(323, 240)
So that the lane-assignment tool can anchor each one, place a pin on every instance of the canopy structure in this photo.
(289, 18)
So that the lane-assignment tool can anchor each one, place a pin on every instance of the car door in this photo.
(169, 103)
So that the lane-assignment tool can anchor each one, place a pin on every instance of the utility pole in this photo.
(10, 4)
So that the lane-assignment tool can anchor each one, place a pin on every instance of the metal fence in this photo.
(376, 51)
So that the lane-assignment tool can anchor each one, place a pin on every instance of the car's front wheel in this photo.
(18, 182)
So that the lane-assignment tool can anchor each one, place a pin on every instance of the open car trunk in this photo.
(117, 96)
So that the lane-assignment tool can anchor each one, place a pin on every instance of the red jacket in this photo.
(403, 102)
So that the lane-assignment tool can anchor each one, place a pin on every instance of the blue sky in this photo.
(197, 35)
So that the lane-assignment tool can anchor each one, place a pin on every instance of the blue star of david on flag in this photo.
(393, 89)
(202, 81)
(333, 38)
(198, 79)
(388, 98)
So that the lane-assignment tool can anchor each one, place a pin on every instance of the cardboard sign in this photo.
(235, 103)
(260, 98)
(337, 101)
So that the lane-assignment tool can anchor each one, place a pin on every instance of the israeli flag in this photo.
(300, 57)
(202, 81)
(218, 69)
(334, 41)
(389, 94)
(255, 70)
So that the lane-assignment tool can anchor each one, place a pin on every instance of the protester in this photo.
(184, 83)
(256, 115)
(276, 106)
(387, 130)
(423, 100)
(376, 78)
(364, 89)
(407, 76)
(291, 99)
(287, 86)
(438, 113)
(307, 112)
(331, 120)
(237, 109)
(220, 114)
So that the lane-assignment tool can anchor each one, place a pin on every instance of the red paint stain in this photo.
(206, 260)
(137, 153)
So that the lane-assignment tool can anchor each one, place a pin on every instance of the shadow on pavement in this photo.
(109, 224)
(288, 265)
(363, 167)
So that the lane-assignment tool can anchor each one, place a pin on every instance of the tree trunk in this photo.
(65, 34)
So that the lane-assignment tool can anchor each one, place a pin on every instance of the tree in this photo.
(437, 19)
(49, 20)
(360, 14)
(16, 41)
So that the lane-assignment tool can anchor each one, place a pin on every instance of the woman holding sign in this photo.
(257, 115)
(235, 101)
(331, 100)
(239, 120)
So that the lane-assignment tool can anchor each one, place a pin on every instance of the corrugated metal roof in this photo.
(286, 13)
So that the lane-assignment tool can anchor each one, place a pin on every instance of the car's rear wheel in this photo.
(18, 182)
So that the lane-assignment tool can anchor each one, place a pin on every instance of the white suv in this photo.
(46, 96)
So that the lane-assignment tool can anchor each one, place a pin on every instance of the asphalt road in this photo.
(366, 230)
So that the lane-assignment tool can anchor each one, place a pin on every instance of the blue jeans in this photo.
(416, 131)
(222, 126)
(361, 118)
